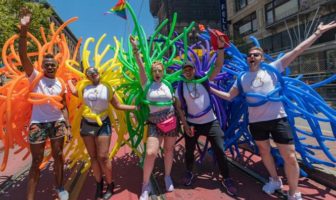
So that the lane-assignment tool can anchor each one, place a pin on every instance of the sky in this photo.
(93, 23)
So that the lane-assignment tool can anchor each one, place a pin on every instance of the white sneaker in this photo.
(272, 185)
(169, 184)
(146, 190)
(296, 196)
(63, 195)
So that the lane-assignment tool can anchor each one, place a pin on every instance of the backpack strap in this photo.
(206, 85)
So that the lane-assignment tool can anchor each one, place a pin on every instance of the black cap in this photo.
(188, 64)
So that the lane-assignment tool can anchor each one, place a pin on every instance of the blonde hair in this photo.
(157, 63)
(258, 49)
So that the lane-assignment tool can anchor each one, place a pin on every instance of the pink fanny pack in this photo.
(167, 125)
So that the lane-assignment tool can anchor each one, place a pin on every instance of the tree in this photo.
(9, 12)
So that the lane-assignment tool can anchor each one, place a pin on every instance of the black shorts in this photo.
(93, 129)
(278, 128)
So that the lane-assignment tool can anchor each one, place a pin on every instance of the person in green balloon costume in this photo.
(162, 122)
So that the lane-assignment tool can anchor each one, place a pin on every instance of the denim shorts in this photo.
(40, 132)
(279, 129)
(93, 129)
(158, 117)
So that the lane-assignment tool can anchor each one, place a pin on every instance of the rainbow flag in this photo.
(119, 9)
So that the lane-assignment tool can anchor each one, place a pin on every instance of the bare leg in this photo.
(169, 144)
(292, 169)
(37, 151)
(57, 154)
(152, 148)
(267, 158)
(103, 145)
(90, 145)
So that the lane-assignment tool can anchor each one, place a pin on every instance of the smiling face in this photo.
(49, 66)
(254, 58)
(157, 71)
(93, 75)
(188, 72)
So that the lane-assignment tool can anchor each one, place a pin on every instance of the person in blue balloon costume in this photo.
(270, 118)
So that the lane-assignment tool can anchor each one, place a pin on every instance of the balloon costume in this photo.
(122, 74)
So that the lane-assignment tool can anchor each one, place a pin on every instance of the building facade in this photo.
(58, 21)
(280, 25)
(200, 11)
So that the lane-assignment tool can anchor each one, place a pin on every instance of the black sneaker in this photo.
(229, 185)
(188, 178)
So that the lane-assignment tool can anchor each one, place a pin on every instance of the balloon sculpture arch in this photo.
(122, 73)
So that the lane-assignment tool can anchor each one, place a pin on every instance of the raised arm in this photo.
(25, 19)
(288, 58)
(143, 77)
(226, 95)
(220, 58)
(72, 88)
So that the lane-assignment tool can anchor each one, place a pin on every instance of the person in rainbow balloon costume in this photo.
(270, 117)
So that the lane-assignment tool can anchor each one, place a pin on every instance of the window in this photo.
(280, 9)
(286, 41)
(277, 42)
(331, 59)
(240, 4)
(247, 25)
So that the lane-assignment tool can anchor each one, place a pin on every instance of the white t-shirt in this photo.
(262, 82)
(96, 97)
(199, 104)
(158, 92)
(43, 113)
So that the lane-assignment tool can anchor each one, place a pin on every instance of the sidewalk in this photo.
(128, 176)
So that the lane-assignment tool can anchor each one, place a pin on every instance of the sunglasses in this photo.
(92, 72)
(253, 54)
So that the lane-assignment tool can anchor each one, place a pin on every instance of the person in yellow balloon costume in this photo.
(97, 97)
(48, 120)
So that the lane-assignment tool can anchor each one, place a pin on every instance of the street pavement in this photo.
(127, 174)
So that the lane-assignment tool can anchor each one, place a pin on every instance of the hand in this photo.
(72, 82)
(25, 17)
(68, 134)
(189, 130)
(221, 42)
(133, 42)
(324, 28)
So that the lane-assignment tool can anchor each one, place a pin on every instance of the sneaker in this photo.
(272, 185)
(296, 196)
(229, 185)
(169, 184)
(189, 176)
(146, 190)
(63, 195)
